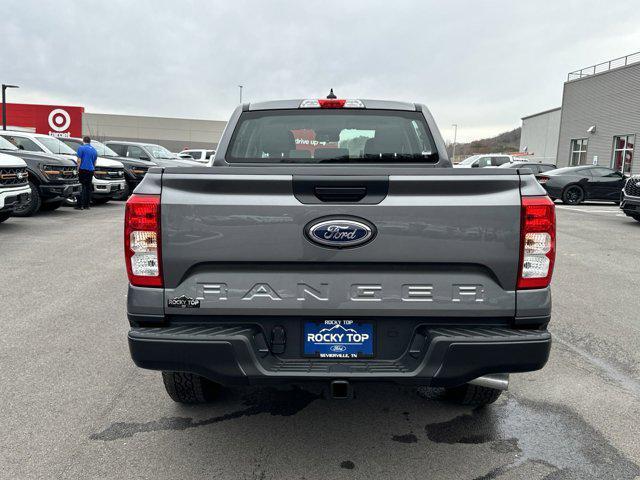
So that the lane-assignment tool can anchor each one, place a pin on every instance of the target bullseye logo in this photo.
(59, 120)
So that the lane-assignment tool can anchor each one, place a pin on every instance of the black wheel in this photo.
(51, 206)
(32, 206)
(472, 395)
(189, 388)
(100, 200)
(4, 216)
(573, 195)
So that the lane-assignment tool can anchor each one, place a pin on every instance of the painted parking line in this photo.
(588, 210)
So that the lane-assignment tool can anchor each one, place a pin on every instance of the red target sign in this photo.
(56, 120)
(59, 120)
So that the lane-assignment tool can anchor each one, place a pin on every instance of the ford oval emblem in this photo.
(340, 232)
(338, 348)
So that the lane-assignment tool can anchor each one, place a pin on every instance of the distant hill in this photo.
(503, 143)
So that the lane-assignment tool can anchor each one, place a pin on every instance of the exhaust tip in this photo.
(497, 381)
(341, 389)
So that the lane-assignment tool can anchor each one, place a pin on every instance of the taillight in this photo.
(537, 242)
(142, 240)
(542, 179)
(332, 103)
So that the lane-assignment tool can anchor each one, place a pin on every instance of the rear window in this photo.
(331, 136)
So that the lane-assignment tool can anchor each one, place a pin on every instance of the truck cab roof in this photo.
(296, 103)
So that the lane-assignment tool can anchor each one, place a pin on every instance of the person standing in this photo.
(87, 156)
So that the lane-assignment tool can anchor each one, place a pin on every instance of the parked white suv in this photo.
(487, 160)
(108, 179)
(199, 155)
(14, 184)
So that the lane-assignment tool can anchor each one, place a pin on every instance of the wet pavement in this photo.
(74, 405)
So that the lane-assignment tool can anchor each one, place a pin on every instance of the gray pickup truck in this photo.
(332, 242)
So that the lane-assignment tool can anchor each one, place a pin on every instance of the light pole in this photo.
(455, 137)
(4, 104)
(240, 87)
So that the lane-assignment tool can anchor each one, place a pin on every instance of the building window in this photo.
(579, 151)
(623, 153)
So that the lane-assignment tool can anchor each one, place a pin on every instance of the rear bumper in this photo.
(438, 357)
(630, 206)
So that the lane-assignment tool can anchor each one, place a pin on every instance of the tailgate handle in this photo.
(340, 194)
(357, 189)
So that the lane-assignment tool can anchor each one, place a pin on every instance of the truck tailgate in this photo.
(447, 243)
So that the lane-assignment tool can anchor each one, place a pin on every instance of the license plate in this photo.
(338, 339)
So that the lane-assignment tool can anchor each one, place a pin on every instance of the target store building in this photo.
(72, 121)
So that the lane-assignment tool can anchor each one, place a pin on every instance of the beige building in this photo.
(172, 133)
(539, 135)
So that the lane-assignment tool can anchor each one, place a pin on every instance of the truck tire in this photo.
(189, 388)
(32, 206)
(4, 216)
(476, 395)
(636, 218)
(573, 195)
(51, 206)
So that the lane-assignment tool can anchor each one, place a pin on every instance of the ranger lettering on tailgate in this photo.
(357, 293)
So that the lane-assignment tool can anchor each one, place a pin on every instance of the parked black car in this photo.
(134, 169)
(630, 202)
(536, 168)
(52, 179)
(574, 185)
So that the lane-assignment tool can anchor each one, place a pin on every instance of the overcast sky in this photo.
(480, 64)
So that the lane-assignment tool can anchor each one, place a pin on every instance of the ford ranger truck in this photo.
(331, 241)
(14, 185)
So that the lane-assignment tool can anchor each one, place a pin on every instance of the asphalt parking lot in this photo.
(75, 406)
